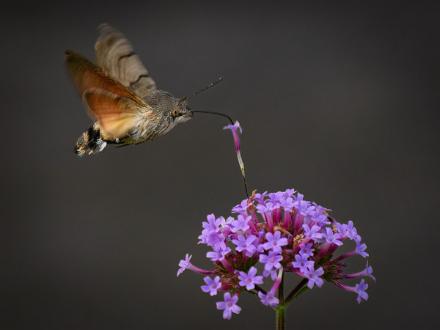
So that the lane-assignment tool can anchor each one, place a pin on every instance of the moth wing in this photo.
(115, 55)
(116, 115)
(87, 75)
(113, 105)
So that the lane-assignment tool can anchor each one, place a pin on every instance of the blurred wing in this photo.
(87, 75)
(115, 55)
(113, 105)
(116, 115)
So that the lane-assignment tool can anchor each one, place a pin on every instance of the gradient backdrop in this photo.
(339, 101)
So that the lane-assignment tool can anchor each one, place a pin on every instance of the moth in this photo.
(120, 96)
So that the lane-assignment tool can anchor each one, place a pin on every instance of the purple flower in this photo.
(271, 261)
(307, 250)
(250, 278)
(268, 299)
(349, 231)
(260, 197)
(275, 242)
(211, 223)
(241, 224)
(211, 285)
(282, 199)
(272, 274)
(229, 305)
(224, 223)
(235, 129)
(313, 233)
(331, 237)
(245, 245)
(367, 272)
(211, 233)
(361, 249)
(214, 239)
(219, 254)
(318, 215)
(302, 263)
(361, 290)
(286, 203)
(314, 277)
(300, 204)
(265, 208)
(184, 264)
(242, 207)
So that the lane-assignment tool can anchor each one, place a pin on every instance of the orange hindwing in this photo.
(113, 105)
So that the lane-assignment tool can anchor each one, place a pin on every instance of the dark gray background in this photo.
(337, 100)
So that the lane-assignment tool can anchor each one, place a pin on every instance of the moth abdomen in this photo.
(90, 142)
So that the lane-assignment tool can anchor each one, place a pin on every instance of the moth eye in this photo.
(175, 113)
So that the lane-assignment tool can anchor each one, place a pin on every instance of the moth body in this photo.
(121, 96)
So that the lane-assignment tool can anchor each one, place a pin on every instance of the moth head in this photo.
(181, 112)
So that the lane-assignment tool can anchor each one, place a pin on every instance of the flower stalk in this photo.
(280, 318)
(280, 309)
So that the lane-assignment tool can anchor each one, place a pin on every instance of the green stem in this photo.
(279, 318)
(281, 308)
(279, 311)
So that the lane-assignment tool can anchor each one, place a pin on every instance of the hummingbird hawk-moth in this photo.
(121, 96)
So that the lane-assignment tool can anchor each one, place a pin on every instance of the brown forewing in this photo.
(109, 102)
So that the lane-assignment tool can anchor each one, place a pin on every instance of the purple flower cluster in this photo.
(270, 235)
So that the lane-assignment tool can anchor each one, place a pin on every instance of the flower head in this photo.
(275, 234)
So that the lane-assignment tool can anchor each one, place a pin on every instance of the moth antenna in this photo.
(212, 84)
(204, 89)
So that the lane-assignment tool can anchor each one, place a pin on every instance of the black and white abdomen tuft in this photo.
(90, 142)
